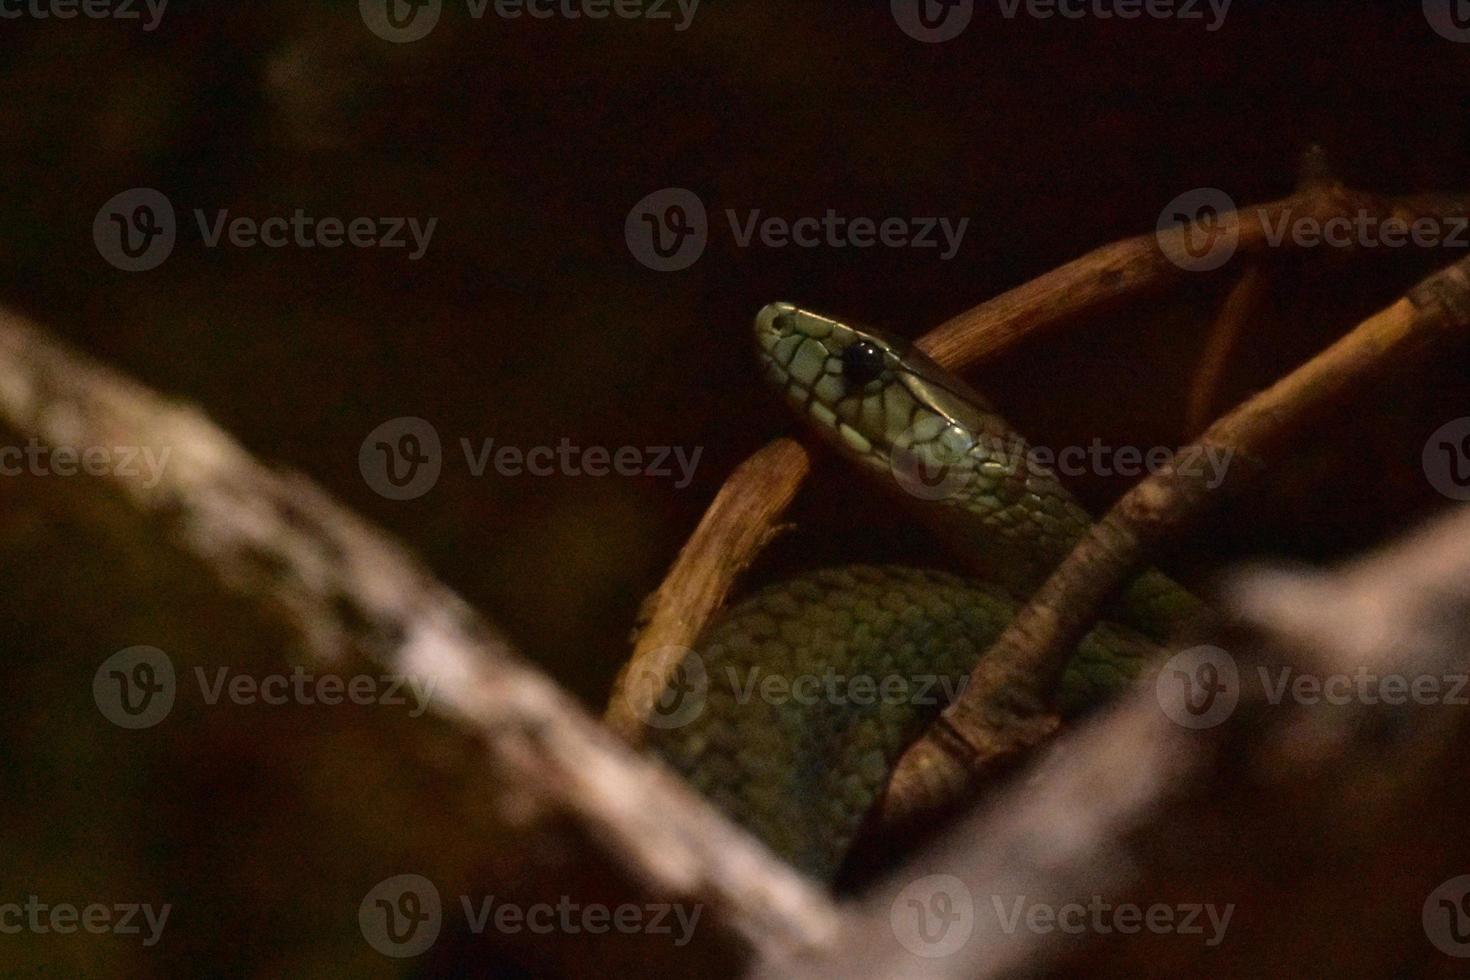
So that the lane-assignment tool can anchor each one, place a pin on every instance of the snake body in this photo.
(807, 692)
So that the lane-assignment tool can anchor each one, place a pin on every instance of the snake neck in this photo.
(1008, 518)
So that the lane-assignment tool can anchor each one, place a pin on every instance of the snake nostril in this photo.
(861, 362)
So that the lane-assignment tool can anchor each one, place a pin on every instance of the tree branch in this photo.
(1324, 826)
(994, 719)
(350, 592)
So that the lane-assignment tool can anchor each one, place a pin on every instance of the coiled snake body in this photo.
(811, 688)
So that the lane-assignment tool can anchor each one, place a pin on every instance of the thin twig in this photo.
(742, 519)
(1241, 306)
(993, 721)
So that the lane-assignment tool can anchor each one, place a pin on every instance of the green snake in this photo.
(809, 690)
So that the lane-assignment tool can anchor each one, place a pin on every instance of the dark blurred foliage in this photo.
(528, 320)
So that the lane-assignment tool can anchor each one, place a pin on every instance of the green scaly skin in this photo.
(806, 693)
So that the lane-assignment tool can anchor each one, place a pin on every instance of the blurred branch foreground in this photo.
(1304, 832)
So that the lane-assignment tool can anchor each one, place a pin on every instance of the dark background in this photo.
(529, 320)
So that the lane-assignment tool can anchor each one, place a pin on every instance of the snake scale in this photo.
(808, 690)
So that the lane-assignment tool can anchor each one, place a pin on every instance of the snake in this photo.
(794, 705)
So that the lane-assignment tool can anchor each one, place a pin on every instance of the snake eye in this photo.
(861, 362)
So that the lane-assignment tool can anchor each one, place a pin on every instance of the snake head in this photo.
(815, 356)
(868, 394)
